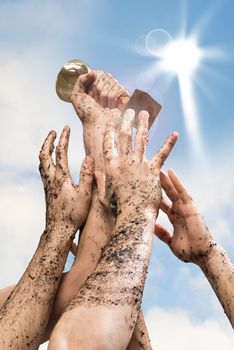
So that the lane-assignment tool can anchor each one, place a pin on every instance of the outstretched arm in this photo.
(108, 303)
(191, 241)
(96, 109)
(24, 316)
(96, 100)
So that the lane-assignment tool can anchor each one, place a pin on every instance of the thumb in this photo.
(86, 176)
(101, 186)
(82, 102)
(162, 234)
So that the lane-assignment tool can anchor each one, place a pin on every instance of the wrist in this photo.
(135, 213)
(142, 195)
(203, 260)
(132, 204)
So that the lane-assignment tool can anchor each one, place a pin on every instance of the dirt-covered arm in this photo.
(95, 99)
(24, 316)
(108, 303)
(219, 271)
(191, 241)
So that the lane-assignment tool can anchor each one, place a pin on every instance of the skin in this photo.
(108, 303)
(96, 109)
(23, 319)
(97, 101)
(191, 241)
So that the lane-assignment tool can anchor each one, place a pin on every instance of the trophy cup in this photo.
(139, 100)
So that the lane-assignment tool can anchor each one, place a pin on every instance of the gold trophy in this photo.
(139, 100)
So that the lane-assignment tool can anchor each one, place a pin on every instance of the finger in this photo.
(184, 195)
(141, 135)
(61, 151)
(86, 177)
(104, 94)
(83, 103)
(165, 206)
(92, 89)
(109, 147)
(162, 233)
(159, 159)
(115, 90)
(101, 185)
(168, 187)
(111, 94)
(73, 248)
(125, 134)
(45, 156)
(122, 99)
(99, 84)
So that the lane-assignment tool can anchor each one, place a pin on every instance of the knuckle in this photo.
(41, 156)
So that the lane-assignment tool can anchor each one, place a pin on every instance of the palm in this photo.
(191, 238)
(66, 202)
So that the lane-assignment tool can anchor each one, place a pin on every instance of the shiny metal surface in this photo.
(67, 77)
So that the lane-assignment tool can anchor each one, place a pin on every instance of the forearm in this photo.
(94, 237)
(25, 314)
(115, 288)
(219, 271)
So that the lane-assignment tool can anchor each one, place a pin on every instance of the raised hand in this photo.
(95, 98)
(191, 240)
(114, 290)
(25, 314)
(132, 178)
(67, 204)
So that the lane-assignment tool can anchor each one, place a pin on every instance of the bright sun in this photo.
(181, 57)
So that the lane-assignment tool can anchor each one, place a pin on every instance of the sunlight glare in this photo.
(181, 57)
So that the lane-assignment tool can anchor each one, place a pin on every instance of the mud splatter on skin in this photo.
(94, 124)
(219, 271)
(120, 275)
(24, 316)
(125, 258)
(121, 271)
(192, 242)
(27, 309)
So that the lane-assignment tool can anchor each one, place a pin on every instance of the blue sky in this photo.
(36, 39)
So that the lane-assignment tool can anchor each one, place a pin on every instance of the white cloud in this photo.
(22, 209)
(173, 329)
(29, 109)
